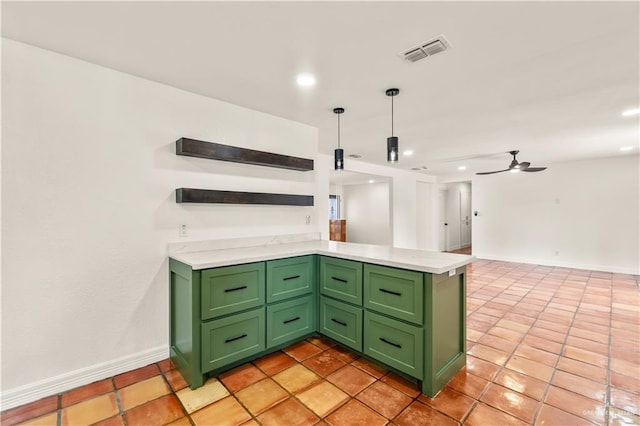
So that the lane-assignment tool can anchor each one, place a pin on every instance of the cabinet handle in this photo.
(391, 343)
(229, 290)
(339, 322)
(291, 278)
(233, 339)
(291, 320)
(395, 293)
(339, 279)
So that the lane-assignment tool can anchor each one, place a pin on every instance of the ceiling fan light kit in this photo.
(392, 141)
(338, 153)
(516, 167)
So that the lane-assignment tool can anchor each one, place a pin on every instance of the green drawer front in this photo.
(232, 338)
(396, 292)
(395, 343)
(232, 289)
(289, 320)
(341, 279)
(341, 322)
(287, 278)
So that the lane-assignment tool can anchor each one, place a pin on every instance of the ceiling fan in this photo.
(515, 166)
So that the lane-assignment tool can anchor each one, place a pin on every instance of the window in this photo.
(334, 207)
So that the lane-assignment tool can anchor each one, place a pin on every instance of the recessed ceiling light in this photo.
(408, 152)
(630, 112)
(371, 181)
(306, 80)
(626, 148)
(462, 168)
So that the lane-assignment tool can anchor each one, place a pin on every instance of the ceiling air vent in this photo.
(426, 49)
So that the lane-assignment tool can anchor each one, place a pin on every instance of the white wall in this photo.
(403, 200)
(88, 177)
(425, 209)
(582, 214)
(367, 211)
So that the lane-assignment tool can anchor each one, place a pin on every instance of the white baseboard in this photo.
(548, 262)
(64, 382)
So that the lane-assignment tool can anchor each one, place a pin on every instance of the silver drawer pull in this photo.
(291, 320)
(291, 278)
(395, 293)
(339, 279)
(233, 339)
(339, 322)
(229, 290)
(390, 343)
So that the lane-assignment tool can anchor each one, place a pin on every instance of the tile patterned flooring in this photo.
(546, 346)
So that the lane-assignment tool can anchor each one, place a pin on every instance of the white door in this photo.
(465, 218)
(443, 244)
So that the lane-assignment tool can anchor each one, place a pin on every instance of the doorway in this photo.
(455, 199)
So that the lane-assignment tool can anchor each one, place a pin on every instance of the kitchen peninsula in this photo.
(402, 308)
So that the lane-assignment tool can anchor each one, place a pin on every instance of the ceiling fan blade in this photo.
(534, 169)
(490, 173)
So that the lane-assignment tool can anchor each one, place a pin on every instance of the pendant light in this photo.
(338, 153)
(392, 142)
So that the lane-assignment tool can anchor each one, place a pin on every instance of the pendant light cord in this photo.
(392, 115)
(338, 131)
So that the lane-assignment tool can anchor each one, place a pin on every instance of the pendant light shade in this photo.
(392, 142)
(338, 153)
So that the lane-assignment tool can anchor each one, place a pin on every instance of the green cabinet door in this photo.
(341, 279)
(231, 289)
(341, 322)
(395, 343)
(291, 277)
(395, 292)
(290, 320)
(232, 338)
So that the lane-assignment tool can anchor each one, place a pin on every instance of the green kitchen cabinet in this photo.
(290, 320)
(341, 279)
(395, 292)
(395, 343)
(410, 321)
(232, 338)
(341, 322)
(231, 289)
(290, 277)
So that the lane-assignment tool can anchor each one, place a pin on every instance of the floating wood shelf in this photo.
(190, 195)
(216, 151)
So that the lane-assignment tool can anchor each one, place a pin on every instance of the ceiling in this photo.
(548, 78)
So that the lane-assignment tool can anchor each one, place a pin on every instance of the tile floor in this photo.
(546, 346)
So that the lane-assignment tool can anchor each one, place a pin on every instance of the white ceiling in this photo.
(548, 78)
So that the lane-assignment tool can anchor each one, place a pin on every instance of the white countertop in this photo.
(419, 260)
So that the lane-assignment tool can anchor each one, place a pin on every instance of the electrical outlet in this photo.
(183, 230)
(557, 253)
(307, 219)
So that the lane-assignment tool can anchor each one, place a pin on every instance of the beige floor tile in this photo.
(90, 411)
(141, 392)
(209, 393)
(262, 395)
(226, 412)
(323, 398)
(296, 378)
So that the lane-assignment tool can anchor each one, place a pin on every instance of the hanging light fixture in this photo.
(338, 153)
(392, 142)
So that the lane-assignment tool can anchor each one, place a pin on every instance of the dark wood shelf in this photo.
(216, 151)
(190, 195)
